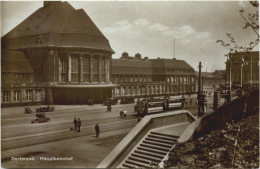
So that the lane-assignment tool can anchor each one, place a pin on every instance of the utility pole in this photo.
(251, 73)
(199, 82)
(173, 47)
(230, 81)
(229, 65)
(202, 102)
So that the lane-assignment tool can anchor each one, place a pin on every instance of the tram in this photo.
(149, 106)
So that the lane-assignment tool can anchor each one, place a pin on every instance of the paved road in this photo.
(22, 138)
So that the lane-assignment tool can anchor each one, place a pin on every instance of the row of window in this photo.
(151, 90)
(176, 80)
(179, 71)
(16, 95)
(75, 68)
(116, 79)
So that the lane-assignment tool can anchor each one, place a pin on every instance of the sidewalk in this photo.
(87, 151)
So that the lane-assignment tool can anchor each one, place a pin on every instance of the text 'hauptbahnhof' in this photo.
(58, 56)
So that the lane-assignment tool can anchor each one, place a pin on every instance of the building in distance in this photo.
(244, 68)
(143, 77)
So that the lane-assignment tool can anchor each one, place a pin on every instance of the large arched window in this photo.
(75, 68)
(64, 69)
(86, 68)
(95, 68)
(102, 69)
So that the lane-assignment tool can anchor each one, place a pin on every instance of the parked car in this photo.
(110, 101)
(40, 118)
(127, 100)
(28, 110)
(45, 109)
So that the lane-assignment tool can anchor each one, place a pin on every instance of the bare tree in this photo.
(251, 20)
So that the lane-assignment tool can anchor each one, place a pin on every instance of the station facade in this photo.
(67, 59)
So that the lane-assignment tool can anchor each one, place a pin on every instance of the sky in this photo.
(151, 27)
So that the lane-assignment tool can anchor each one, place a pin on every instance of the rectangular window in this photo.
(38, 95)
(117, 91)
(28, 95)
(64, 70)
(102, 69)
(5, 96)
(75, 68)
(95, 69)
(86, 68)
(16, 96)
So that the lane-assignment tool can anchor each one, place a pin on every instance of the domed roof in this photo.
(57, 24)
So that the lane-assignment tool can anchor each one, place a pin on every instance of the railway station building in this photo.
(57, 55)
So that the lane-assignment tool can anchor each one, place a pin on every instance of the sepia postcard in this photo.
(129, 84)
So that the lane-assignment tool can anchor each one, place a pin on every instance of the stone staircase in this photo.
(150, 151)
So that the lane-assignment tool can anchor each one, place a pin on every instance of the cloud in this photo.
(158, 27)
(142, 27)
(242, 4)
(186, 30)
(203, 35)
(142, 22)
(120, 26)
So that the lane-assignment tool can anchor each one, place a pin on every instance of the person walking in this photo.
(97, 130)
(190, 101)
(139, 119)
(79, 124)
(75, 122)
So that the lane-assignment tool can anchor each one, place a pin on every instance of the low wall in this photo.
(226, 113)
(115, 157)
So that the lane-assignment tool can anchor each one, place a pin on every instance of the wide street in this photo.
(21, 138)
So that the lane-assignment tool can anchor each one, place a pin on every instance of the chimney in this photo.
(124, 55)
(138, 56)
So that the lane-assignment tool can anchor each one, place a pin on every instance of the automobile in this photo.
(110, 101)
(45, 109)
(28, 110)
(40, 118)
(127, 100)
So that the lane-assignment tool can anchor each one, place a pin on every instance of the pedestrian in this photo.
(190, 101)
(75, 122)
(186, 103)
(79, 124)
(124, 112)
(97, 130)
(139, 119)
